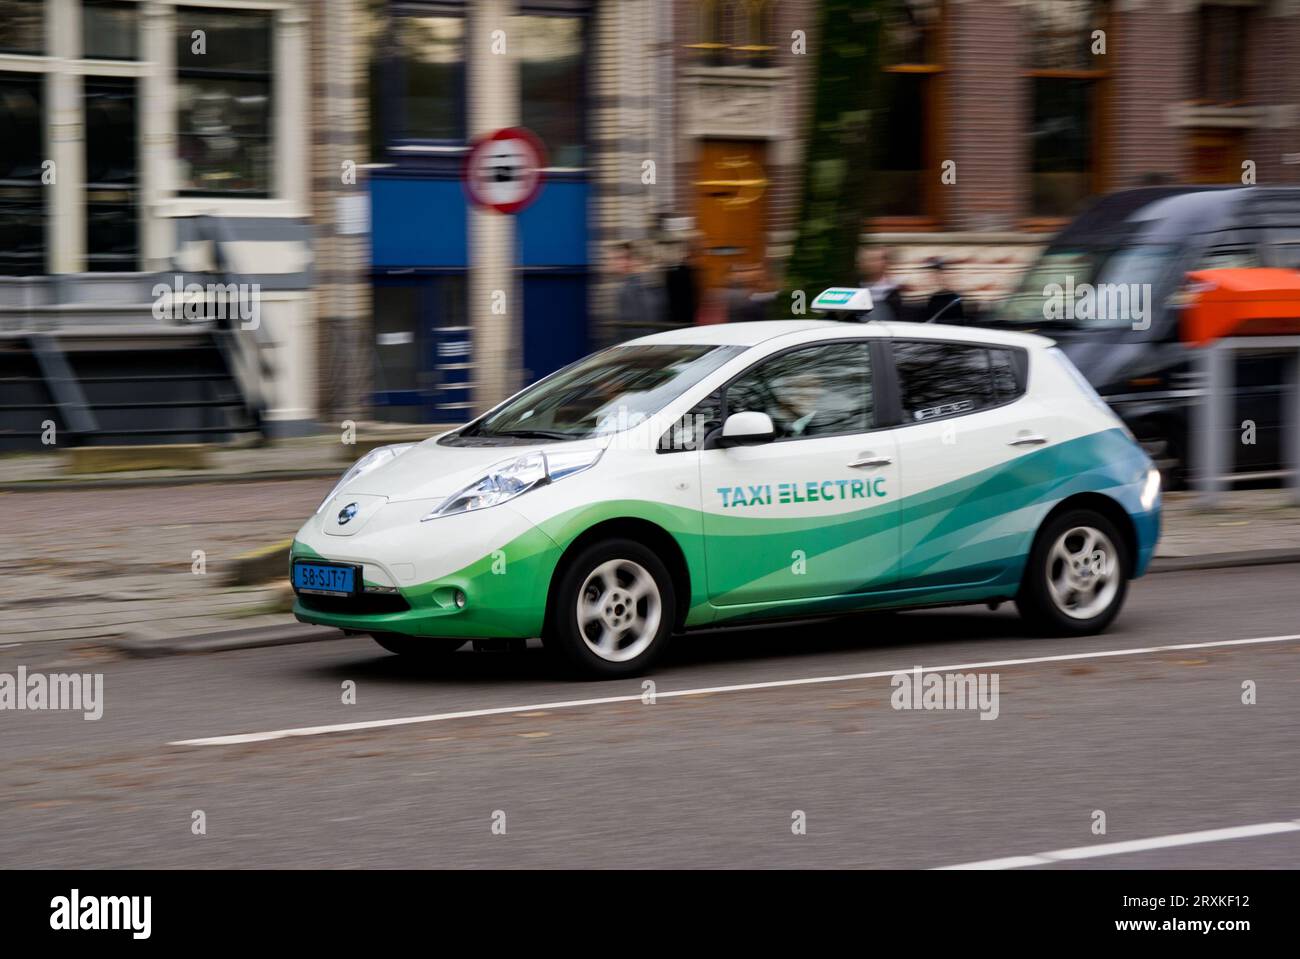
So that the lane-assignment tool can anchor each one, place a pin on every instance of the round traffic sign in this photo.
(503, 170)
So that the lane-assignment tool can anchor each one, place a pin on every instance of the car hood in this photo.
(434, 471)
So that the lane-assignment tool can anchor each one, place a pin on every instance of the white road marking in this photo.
(1133, 845)
(240, 738)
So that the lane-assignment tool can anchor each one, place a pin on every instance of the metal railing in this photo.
(1212, 458)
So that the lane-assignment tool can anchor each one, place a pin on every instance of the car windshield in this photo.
(606, 392)
(1121, 281)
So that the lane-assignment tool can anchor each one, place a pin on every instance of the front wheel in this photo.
(1076, 577)
(612, 610)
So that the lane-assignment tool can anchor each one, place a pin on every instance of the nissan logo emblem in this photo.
(346, 514)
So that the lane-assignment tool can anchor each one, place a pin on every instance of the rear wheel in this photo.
(612, 610)
(417, 647)
(1077, 575)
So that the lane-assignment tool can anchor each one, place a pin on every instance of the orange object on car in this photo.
(1242, 302)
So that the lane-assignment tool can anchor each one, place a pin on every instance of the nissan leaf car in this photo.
(734, 474)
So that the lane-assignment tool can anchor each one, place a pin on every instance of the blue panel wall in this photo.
(555, 322)
(417, 222)
(422, 222)
(553, 231)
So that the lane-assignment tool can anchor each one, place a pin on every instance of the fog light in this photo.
(460, 600)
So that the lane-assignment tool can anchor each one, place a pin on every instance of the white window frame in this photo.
(63, 68)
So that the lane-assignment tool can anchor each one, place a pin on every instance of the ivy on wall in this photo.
(837, 181)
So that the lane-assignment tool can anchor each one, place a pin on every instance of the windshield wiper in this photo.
(532, 434)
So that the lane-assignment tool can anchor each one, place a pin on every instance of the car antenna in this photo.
(953, 302)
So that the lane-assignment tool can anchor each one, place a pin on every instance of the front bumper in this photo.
(412, 571)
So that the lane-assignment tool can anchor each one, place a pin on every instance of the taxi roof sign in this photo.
(845, 299)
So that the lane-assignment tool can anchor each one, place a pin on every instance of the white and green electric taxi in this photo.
(738, 473)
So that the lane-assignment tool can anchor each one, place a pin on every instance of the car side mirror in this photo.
(747, 429)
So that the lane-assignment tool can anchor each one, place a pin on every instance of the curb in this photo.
(1250, 557)
(258, 637)
(260, 565)
(125, 459)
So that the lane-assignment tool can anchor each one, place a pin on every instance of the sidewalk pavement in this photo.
(141, 565)
(299, 458)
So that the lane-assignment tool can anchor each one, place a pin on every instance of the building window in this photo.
(22, 196)
(109, 30)
(711, 47)
(734, 32)
(417, 80)
(22, 27)
(552, 86)
(1066, 80)
(1220, 72)
(431, 57)
(223, 102)
(752, 43)
(911, 64)
(111, 138)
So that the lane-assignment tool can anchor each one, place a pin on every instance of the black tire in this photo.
(417, 647)
(572, 644)
(1038, 603)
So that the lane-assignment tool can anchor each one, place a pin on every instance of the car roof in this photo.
(1169, 214)
(752, 334)
(738, 334)
(971, 334)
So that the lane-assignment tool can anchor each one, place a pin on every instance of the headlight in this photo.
(1151, 489)
(515, 477)
(372, 460)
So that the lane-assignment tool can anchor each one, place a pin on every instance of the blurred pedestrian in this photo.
(681, 285)
(640, 303)
(748, 299)
(875, 264)
(944, 305)
(713, 307)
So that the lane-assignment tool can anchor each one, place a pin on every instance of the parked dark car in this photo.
(1151, 238)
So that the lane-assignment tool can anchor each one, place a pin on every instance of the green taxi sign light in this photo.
(842, 298)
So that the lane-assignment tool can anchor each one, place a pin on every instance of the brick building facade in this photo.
(1183, 92)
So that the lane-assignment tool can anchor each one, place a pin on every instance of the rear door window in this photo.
(938, 380)
(1008, 380)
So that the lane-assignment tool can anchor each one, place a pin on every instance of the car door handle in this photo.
(1029, 439)
(871, 461)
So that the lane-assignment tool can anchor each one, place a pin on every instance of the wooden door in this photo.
(730, 207)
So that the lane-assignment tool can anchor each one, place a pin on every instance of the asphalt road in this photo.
(1158, 741)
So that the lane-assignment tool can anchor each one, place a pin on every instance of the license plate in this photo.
(325, 578)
